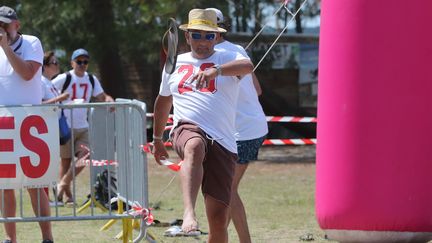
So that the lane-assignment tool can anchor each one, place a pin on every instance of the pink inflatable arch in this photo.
(374, 152)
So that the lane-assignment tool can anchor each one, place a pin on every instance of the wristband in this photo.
(218, 69)
(157, 137)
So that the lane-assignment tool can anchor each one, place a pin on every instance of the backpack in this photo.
(103, 191)
(69, 78)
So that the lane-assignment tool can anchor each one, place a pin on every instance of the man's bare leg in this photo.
(191, 175)
(217, 216)
(237, 211)
(8, 210)
(66, 177)
(64, 167)
(45, 226)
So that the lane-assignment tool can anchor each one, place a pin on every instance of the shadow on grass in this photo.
(287, 154)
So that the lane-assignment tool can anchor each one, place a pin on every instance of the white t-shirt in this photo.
(14, 90)
(250, 121)
(212, 108)
(49, 91)
(79, 88)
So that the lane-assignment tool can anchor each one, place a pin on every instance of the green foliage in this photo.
(138, 25)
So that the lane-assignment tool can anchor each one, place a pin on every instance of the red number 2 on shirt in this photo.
(74, 91)
(184, 87)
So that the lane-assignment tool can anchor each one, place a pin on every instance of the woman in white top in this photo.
(50, 69)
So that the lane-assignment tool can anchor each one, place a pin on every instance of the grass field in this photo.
(278, 193)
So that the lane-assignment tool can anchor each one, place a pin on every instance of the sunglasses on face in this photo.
(53, 63)
(198, 36)
(79, 62)
(3, 25)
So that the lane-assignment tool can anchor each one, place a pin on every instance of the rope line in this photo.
(280, 34)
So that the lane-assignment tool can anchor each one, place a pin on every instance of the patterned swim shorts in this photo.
(248, 149)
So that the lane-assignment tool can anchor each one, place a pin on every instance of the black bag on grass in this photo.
(103, 192)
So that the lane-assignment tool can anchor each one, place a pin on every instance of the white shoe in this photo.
(53, 204)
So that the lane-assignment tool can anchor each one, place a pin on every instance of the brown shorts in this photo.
(218, 164)
(80, 137)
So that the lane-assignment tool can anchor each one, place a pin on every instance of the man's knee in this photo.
(217, 212)
(195, 147)
(219, 221)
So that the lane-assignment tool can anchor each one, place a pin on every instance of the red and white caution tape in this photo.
(291, 119)
(297, 141)
(104, 162)
(293, 141)
(172, 166)
(137, 209)
(84, 161)
(145, 213)
(302, 119)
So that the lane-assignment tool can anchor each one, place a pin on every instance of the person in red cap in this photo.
(21, 58)
(203, 90)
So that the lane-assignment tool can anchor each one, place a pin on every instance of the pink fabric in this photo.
(374, 152)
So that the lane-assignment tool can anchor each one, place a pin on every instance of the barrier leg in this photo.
(89, 203)
(108, 224)
(136, 224)
(125, 231)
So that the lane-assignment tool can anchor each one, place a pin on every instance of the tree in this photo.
(113, 31)
(123, 31)
(253, 11)
(310, 10)
(69, 25)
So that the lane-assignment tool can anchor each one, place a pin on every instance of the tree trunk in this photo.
(100, 21)
(245, 15)
(258, 16)
(299, 27)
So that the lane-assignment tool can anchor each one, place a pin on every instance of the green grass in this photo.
(278, 193)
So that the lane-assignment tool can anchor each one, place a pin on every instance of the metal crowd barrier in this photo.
(116, 131)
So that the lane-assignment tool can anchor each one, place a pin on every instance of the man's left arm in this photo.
(237, 68)
(103, 97)
(98, 92)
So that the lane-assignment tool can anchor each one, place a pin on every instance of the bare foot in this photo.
(64, 189)
(189, 224)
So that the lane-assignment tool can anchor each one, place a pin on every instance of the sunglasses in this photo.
(198, 36)
(53, 63)
(4, 25)
(79, 62)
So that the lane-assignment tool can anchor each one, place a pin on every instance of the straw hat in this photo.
(202, 19)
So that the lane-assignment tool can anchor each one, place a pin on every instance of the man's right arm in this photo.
(25, 69)
(162, 108)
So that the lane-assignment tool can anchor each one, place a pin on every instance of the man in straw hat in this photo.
(203, 89)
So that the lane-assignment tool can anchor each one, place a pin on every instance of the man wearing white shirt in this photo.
(20, 83)
(251, 129)
(203, 90)
(79, 87)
